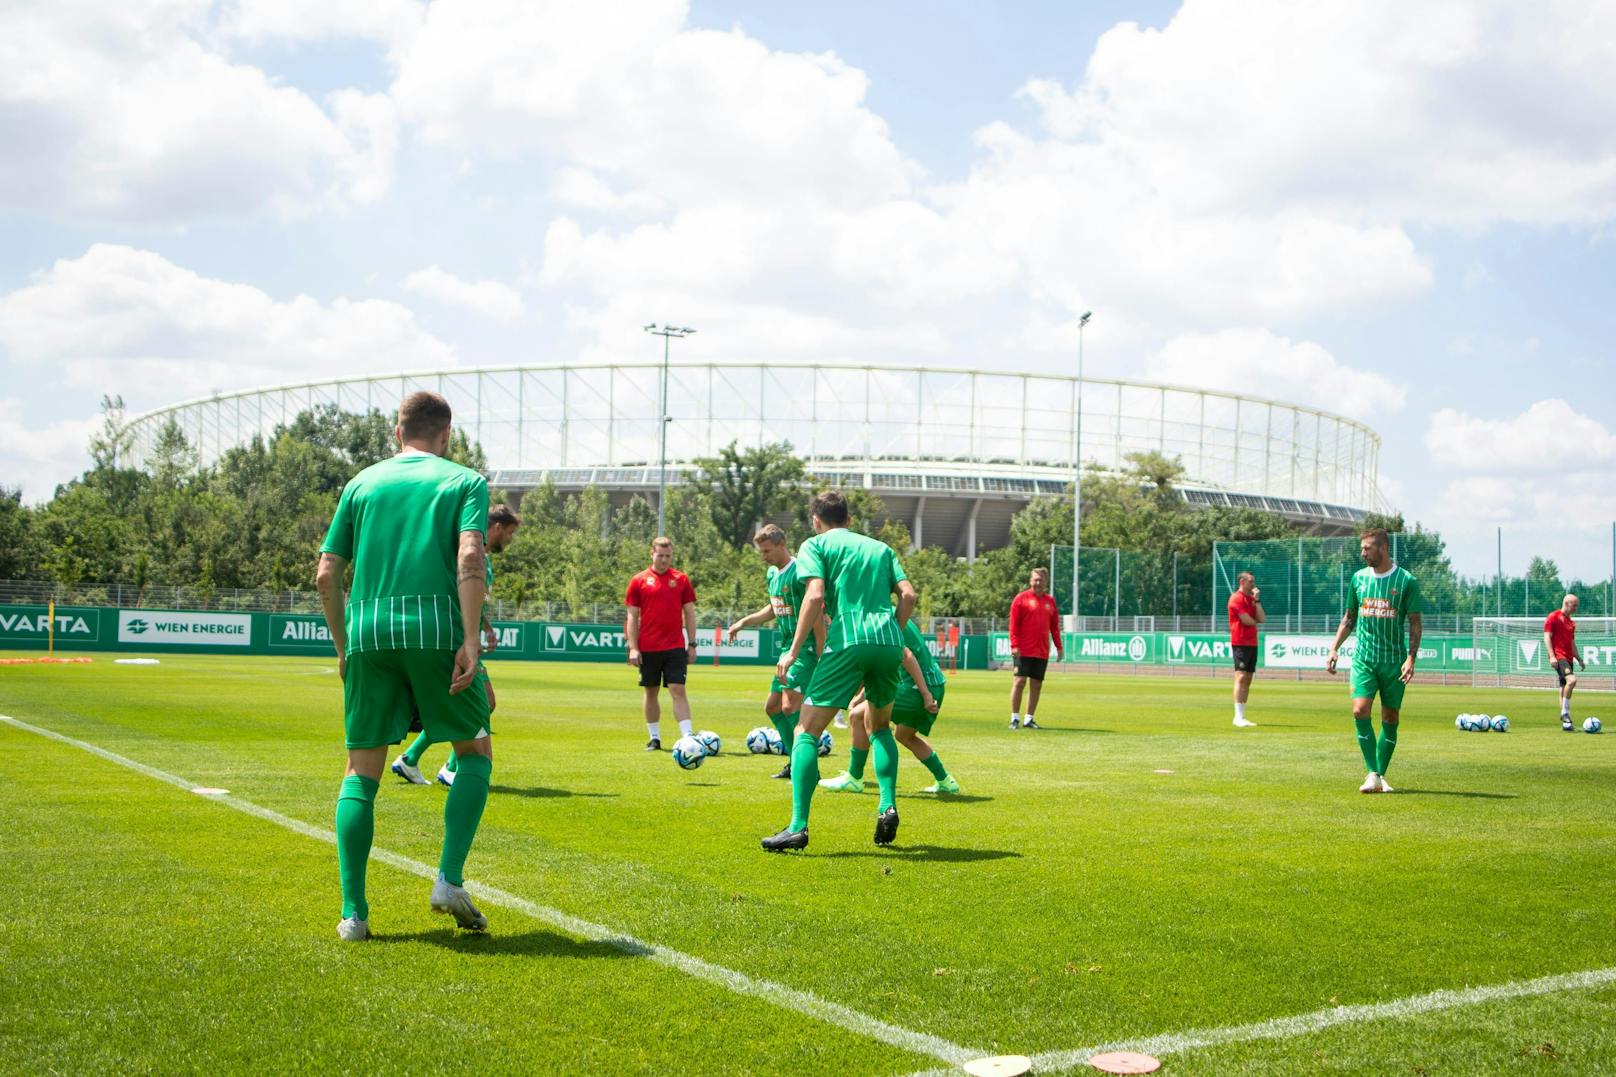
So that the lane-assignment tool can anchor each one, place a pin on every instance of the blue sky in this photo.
(1403, 216)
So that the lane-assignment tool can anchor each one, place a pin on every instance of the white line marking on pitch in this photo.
(780, 995)
(1301, 1024)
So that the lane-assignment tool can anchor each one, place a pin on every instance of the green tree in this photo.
(18, 559)
(749, 486)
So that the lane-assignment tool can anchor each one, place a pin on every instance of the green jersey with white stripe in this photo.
(785, 599)
(399, 522)
(930, 670)
(1383, 603)
(860, 574)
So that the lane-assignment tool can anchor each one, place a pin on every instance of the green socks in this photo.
(934, 764)
(1388, 745)
(356, 829)
(856, 758)
(462, 811)
(886, 767)
(412, 754)
(1366, 742)
(785, 724)
(453, 763)
(804, 777)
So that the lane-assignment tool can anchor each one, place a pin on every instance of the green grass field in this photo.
(1138, 869)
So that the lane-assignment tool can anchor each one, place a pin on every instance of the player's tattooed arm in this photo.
(1349, 621)
(473, 592)
(1416, 628)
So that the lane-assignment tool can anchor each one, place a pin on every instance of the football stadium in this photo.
(954, 453)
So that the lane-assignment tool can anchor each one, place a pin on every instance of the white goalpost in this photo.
(1509, 653)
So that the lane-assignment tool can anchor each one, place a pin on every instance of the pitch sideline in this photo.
(789, 998)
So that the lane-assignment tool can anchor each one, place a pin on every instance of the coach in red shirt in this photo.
(661, 634)
(1034, 621)
(1245, 614)
(1560, 640)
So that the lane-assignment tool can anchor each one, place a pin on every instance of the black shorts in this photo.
(1031, 667)
(658, 668)
(1561, 666)
(1245, 658)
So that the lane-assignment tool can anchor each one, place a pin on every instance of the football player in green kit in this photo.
(850, 578)
(785, 599)
(1380, 599)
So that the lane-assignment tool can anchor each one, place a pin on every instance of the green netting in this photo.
(1131, 583)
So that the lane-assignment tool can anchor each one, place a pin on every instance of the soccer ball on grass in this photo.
(1500, 723)
(689, 753)
(825, 743)
(1592, 725)
(710, 743)
(1481, 723)
(757, 741)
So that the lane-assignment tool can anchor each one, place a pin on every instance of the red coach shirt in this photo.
(1240, 633)
(661, 600)
(1562, 632)
(1033, 619)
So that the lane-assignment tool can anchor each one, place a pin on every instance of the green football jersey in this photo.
(930, 670)
(785, 598)
(1383, 604)
(399, 522)
(860, 574)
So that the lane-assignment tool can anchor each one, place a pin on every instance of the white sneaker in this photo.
(1372, 784)
(1015, 723)
(445, 776)
(452, 899)
(840, 722)
(410, 774)
(1384, 788)
(1244, 723)
(353, 929)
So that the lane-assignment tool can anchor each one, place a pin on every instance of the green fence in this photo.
(1131, 583)
(85, 628)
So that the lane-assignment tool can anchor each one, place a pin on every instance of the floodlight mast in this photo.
(666, 332)
(1077, 476)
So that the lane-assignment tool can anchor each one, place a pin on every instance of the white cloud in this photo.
(391, 22)
(39, 456)
(487, 297)
(1257, 362)
(121, 320)
(127, 112)
(1549, 438)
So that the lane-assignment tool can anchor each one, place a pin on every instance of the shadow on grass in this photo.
(520, 944)
(1402, 792)
(945, 798)
(940, 853)
(541, 792)
(1068, 729)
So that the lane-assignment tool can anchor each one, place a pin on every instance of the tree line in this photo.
(255, 517)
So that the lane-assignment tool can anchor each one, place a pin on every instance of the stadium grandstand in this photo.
(954, 453)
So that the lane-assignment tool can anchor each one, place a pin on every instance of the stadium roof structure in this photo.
(955, 453)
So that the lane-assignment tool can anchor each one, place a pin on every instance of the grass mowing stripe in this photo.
(780, 995)
(1172, 1043)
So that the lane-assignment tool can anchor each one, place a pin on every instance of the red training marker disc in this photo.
(1125, 1062)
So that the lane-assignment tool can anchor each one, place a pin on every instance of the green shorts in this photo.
(799, 676)
(908, 709)
(1385, 678)
(839, 675)
(381, 687)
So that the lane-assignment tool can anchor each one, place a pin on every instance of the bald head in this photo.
(1569, 605)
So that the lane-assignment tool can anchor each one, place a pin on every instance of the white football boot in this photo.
(1245, 723)
(410, 774)
(452, 899)
(353, 929)
(1372, 784)
(445, 776)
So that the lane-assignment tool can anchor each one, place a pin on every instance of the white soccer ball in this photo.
(710, 742)
(689, 753)
(825, 743)
(1500, 723)
(1462, 722)
(1592, 725)
(1481, 723)
(757, 741)
(776, 745)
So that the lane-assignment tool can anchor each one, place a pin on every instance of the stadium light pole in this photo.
(666, 332)
(1077, 474)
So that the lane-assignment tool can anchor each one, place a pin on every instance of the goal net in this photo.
(1509, 652)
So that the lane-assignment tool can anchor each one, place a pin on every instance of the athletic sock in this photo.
(856, 758)
(1239, 710)
(804, 777)
(686, 727)
(453, 764)
(356, 829)
(1030, 718)
(412, 754)
(1366, 742)
(886, 767)
(655, 729)
(785, 724)
(1388, 745)
(1565, 707)
(1014, 717)
(462, 811)
(934, 763)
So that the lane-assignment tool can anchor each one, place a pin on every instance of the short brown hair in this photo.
(830, 506)
(1378, 534)
(662, 540)
(1041, 571)
(502, 514)
(1247, 575)
(769, 533)
(423, 415)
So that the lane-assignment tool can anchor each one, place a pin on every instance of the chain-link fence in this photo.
(1115, 586)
